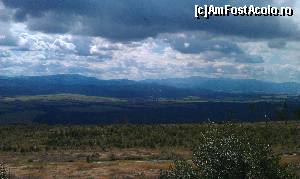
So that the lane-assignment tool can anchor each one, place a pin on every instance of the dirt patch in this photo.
(126, 163)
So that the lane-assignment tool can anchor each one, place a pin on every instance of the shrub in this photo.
(181, 170)
(3, 172)
(95, 157)
(225, 154)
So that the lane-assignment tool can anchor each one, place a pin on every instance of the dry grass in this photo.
(74, 164)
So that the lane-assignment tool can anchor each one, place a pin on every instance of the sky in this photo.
(143, 39)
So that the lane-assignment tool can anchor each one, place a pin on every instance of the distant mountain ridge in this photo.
(76, 84)
(165, 88)
(230, 85)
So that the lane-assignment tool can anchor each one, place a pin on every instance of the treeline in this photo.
(44, 137)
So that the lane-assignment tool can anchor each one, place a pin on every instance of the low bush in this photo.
(3, 172)
(226, 154)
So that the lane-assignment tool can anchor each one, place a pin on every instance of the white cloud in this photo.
(193, 53)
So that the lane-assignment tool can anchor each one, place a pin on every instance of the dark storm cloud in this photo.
(202, 42)
(6, 38)
(277, 44)
(246, 58)
(82, 45)
(138, 19)
(198, 44)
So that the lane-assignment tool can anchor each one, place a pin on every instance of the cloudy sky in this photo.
(138, 39)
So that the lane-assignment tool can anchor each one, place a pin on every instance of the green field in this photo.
(62, 97)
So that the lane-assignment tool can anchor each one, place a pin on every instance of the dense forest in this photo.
(34, 138)
(86, 110)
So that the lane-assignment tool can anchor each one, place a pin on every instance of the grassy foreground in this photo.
(122, 150)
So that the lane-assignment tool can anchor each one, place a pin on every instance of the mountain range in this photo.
(165, 88)
(230, 85)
